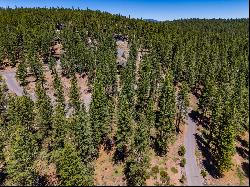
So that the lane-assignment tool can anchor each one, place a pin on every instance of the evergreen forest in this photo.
(137, 105)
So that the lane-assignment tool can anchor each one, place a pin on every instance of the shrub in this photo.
(182, 179)
(174, 170)
(183, 162)
(155, 170)
(164, 177)
(203, 173)
(147, 175)
(182, 150)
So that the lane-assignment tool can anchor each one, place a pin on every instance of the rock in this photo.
(122, 63)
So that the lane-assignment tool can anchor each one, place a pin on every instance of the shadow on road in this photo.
(194, 115)
(199, 119)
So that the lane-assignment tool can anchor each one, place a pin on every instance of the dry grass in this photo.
(48, 171)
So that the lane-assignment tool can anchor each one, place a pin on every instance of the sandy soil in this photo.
(48, 171)
(106, 172)
(171, 160)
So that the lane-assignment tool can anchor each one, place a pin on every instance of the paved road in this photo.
(12, 83)
(192, 169)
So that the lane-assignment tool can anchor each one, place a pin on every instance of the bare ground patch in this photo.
(106, 172)
(169, 163)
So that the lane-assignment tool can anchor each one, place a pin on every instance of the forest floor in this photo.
(109, 173)
(169, 163)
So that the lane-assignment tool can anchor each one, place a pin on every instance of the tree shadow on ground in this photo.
(118, 157)
(41, 181)
(245, 168)
(242, 152)
(194, 115)
(157, 148)
(199, 119)
(108, 144)
(3, 176)
(196, 91)
(243, 143)
(207, 162)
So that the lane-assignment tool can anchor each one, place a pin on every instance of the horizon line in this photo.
(118, 14)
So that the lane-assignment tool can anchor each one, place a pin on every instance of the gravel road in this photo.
(192, 169)
(12, 83)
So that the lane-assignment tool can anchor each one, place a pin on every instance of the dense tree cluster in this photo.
(133, 108)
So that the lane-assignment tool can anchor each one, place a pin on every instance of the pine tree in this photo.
(36, 67)
(182, 104)
(225, 146)
(222, 131)
(99, 113)
(3, 116)
(128, 79)
(167, 109)
(59, 127)
(58, 89)
(44, 110)
(241, 100)
(1, 56)
(83, 135)
(23, 145)
(21, 111)
(138, 161)
(3, 101)
(52, 64)
(206, 100)
(124, 127)
(22, 152)
(22, 73)
(143, 91)
(71, 170)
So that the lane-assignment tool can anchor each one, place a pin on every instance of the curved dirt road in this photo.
(192, 169)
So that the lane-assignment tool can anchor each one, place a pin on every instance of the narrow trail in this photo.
(192, 169)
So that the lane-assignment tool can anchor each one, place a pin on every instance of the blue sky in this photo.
(153, 9)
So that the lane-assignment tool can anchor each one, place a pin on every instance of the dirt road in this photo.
(12, 83)
(192, 169)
